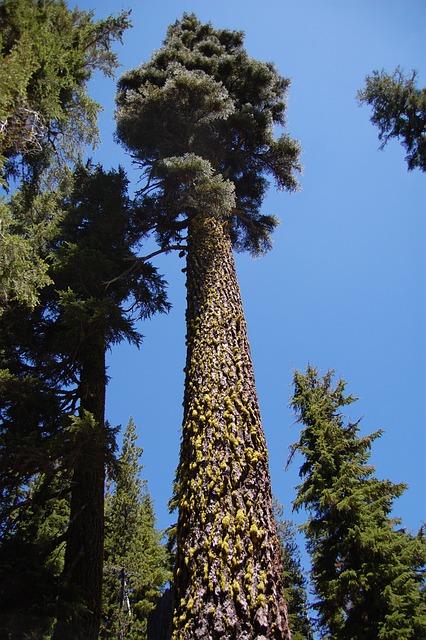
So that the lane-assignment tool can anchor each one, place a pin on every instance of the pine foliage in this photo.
(48, 54)
(199, 119)
(294, 578)
(399, 111)
(135, 567)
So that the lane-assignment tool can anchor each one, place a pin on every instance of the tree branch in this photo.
(138, 261)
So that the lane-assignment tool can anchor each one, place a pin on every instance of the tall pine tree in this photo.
(199, 119)
(367, 573)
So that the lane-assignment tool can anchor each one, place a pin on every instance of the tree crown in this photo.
(199, 119)
(399, 111)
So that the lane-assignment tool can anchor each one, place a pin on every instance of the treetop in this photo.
(202, 95)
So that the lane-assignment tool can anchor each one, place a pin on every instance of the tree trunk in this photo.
(82, 574)
(228, 570)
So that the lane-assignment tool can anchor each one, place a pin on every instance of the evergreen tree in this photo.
(103, 232)
(56, 356)
(399, 111)
(31, 560)
(135, 560)
(295, 582)
(199, 119)
(368, 575)
(48, 54)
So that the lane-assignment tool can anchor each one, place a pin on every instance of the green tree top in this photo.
(399, 111)
(199, 119)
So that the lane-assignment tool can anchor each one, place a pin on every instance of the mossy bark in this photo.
(228, 570)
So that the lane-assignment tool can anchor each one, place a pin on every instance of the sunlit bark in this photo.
(228, 573)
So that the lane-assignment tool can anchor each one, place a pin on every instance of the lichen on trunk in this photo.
(228, 569)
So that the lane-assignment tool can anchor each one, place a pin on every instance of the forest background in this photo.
(344, 286)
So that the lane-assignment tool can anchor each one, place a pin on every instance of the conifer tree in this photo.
(135, 560)
(399, 111)
(48, 54)
(56, 355)
(199, 119)
(294, 579)
(368, 575)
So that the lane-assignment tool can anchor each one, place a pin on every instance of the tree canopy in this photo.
(48, 54)
(199, 119)
(399, 111)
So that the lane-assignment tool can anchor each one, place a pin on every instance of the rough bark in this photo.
(82, 574)
(228, 570)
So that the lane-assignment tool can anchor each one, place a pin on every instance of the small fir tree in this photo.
(294, 579)
(136, 566)
(367, 574)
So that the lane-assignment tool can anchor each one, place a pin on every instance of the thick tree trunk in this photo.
(228, 571)
(82, 574)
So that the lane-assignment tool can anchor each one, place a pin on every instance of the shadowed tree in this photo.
(97, 305)
(367, 574)
(199, 119)
(54, 377)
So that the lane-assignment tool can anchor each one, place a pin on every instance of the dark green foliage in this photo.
(399, 111)
(99, 278)
(31, 559)
(41, 354)
(135, 560)
(23, 272)
(367, 573)
(295, 582)
(53, 374)
(199, 120)
(48, 54)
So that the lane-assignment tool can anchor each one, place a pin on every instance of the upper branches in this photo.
(199, 118)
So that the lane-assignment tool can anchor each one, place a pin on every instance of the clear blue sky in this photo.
(344, 286)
